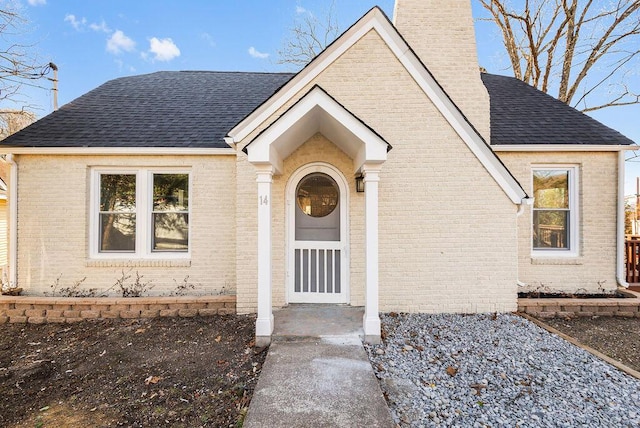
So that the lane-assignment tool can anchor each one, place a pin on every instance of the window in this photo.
(555, 211)
(317, 195)
(117, 212)
(140, 213)
(170, 212)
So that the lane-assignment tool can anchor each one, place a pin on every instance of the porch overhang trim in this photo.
(317, 112)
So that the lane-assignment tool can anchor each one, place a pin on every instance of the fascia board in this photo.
(455, 118)
(375, 21)
(258, 149)
(306, 75)
(261, 149)
(346, 119)
(562, 148)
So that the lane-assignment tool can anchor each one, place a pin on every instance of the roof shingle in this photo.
(163, 109)
(198, 108)
(521, 114)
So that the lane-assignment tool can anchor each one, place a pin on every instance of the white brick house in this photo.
(388, 173)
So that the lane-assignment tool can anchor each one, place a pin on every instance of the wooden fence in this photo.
(632, 247)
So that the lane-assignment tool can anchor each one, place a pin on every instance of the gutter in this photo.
(13, 220)
(620, 252)
(521, 205)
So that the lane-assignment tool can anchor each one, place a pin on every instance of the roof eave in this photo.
(118, 151)
(563, 147)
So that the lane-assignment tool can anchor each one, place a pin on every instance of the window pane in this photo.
(317, 195)
(118, 232)
(170, 192)
(551, 189)
(170, 231)
(550, 229)
(117, 192)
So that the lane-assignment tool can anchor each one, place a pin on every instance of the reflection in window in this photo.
(170, 215)
(317, 195)
(551, 209)
(117, 212)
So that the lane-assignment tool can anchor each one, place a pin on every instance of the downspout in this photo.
(620, 268)
(13, 220)
(525, 201)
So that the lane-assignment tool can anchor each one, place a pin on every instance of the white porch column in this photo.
(371, 316)
(264, 323)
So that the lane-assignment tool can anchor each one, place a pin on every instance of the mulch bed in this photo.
(179, 372)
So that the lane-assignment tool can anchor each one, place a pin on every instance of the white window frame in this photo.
(144, 209)
(574, 217)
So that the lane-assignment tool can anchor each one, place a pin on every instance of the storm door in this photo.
(316, 268)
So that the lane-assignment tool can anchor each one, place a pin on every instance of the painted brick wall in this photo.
(246, 235)
(441, 33)
(595, 267)
(447, 231)
(53, 225)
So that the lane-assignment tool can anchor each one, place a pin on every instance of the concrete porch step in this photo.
(313, 321)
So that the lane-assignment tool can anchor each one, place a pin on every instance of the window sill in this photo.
(539, 260)
(137, 263)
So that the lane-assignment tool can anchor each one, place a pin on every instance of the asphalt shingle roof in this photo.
(521, 114)
(198, 108)
(163, 109)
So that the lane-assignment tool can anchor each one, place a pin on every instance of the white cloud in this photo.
(209, 39)
(36, 2)
(80, 24)
(119, 42)
(300, 10)
(101, 27)
(75, 22)
(124, 67)
(256, 54)
(163, 49)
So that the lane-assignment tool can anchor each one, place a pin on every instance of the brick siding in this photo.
(594, 269)
(53, 225)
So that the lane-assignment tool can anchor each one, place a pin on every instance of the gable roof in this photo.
(376, 20)
(522, 114)
(163, 109)
(314, 112)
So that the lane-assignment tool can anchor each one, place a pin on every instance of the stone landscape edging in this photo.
(582, 307)
(40, 310)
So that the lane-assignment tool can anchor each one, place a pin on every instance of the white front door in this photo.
(317, 210)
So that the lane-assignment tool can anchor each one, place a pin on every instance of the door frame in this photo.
(290, 225)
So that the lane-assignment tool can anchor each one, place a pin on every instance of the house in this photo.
(388, 173)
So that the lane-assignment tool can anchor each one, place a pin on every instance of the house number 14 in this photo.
(264, 200)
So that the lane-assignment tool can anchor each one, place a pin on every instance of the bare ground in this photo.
(179, 372)
(619, 338)
(183, 372)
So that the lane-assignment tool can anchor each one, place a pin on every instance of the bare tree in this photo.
(584, 50)
(18, 63)
(309, 36)
(12, 121)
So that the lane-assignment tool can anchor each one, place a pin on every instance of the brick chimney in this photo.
(441, 33)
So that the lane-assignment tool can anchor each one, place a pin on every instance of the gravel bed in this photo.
(496, 370)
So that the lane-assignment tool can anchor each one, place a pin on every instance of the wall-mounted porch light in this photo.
(359, 183)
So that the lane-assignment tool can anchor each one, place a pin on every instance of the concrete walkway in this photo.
(317, 373)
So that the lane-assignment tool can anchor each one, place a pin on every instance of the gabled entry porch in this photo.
(317, 242)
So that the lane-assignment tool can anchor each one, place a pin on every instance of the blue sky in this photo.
(94, 41)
